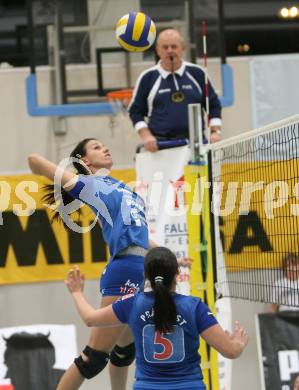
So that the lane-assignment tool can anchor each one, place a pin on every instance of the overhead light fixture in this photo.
(293, 12)
(284, 12)
(288, 13)
(243, 48)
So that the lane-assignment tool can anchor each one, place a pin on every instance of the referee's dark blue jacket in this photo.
(152, 99)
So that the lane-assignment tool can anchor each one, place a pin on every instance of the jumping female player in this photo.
(165, 325)
(120, 213)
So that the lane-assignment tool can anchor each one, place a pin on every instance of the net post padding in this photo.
(200, 251)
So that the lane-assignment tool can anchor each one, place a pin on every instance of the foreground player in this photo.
(120, 213)
(165, 326)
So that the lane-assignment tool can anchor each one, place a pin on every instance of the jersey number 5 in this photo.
(165, 347)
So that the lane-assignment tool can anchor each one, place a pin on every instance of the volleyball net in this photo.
(256, 214)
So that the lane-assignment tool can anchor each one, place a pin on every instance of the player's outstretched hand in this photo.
(239, 335)
(215, 138)
(75, 280)
(150, 144)
(185, 262)
(148, 139)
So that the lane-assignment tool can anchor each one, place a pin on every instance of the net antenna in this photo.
(227, 98)
(205, 59)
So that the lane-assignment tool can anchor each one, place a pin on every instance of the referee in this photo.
(163, 92)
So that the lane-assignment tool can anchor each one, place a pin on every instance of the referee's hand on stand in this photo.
(148, 140)
(184, 262)
(215, 135)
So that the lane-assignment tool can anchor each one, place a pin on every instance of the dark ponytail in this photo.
(53, 190)
(161, 268)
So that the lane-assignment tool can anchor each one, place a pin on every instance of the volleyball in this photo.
(135, 31)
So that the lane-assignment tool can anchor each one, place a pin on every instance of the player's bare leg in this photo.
(119, 375)
(101, 339)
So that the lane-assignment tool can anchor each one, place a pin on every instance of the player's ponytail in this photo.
(161, 268)
(52, 190)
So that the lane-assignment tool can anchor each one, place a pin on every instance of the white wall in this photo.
(24, 134)
(105, 14)
(21, 135)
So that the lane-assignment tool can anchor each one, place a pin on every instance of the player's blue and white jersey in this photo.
(121, 211)
(173, 356)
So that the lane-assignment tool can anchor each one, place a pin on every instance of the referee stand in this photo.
(200, 247)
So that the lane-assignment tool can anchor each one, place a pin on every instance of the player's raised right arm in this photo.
(39, 165)
(100, 317)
